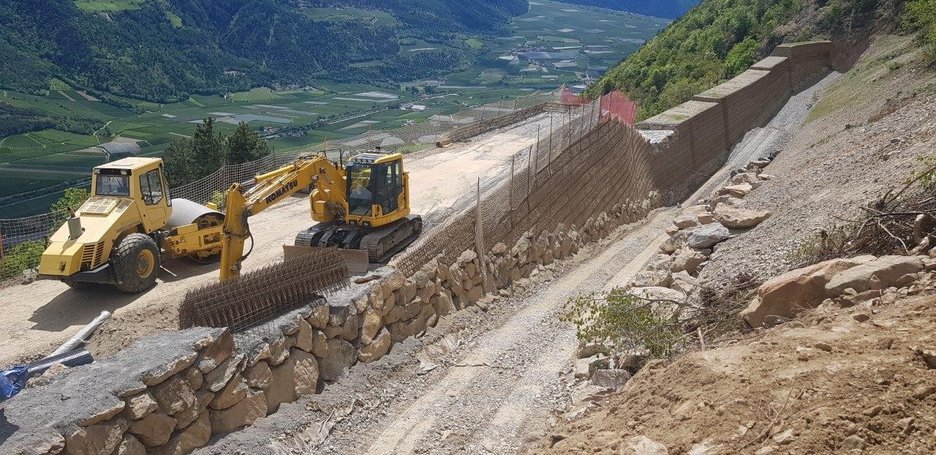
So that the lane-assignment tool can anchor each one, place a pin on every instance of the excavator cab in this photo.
(376, 190)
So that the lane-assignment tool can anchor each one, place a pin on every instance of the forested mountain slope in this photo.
(719, 39)
(164, 50)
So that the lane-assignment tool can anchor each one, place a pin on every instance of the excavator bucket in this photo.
(357, 260)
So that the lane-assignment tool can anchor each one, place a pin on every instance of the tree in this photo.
(245, 145)
(177, 159)
(208, 148)
(188, 160)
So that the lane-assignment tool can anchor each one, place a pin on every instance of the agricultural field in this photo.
(552, 45)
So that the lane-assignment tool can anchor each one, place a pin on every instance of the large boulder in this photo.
(887, 269)
(739, 218)
(739, 191)
(788, 294)
(687, 260)
(653, 278)
(708, 235)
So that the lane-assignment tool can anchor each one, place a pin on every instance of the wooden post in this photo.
(510, 187)
(479, 237)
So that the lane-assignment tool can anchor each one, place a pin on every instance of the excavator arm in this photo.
(244, 200)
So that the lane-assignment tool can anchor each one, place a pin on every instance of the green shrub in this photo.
(920, 15)
(219, 199)
(70, 201)
(622, 322)
(20, 257)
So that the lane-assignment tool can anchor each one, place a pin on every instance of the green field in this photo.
(96, 6)
(45, 158)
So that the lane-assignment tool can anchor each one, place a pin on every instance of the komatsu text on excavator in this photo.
(121, 233)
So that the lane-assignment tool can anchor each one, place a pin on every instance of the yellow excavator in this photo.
(121, 233)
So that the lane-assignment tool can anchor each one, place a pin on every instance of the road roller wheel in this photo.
(136, 263)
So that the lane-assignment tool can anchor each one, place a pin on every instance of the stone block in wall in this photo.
(190, 438)
(259, 376)
(370, 326)
(336, 359)
(245, 412)
(154, 429)
(377, 348)
(174, 395)
(186, 417)
(319, 317)
(98, 439)
(233, 392)
(296, 376)
(138, 406)
(130, 446)
(220, 376)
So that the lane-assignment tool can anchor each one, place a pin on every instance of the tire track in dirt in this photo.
(506, 383)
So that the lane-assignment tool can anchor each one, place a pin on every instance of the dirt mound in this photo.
(826, 383)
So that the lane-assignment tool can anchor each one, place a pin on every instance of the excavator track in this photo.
(380, 243)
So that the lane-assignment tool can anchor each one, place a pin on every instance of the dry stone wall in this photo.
(172, 392)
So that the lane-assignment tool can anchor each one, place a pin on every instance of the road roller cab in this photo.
(120, 233)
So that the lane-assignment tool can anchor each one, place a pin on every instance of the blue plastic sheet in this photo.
(12, 381)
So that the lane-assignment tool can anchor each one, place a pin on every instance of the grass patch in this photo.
(255, 95)
(21, 257)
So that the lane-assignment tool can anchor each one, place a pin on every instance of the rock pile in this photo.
(673, 273)
(841, 283)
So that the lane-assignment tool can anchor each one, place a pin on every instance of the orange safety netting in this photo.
(614, 104)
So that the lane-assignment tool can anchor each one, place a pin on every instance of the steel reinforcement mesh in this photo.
(261, 295)
(588, 164)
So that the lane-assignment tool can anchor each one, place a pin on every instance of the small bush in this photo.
(830, 243)
(219, 198)
(20, 257)
(624, 322)
(920, 15)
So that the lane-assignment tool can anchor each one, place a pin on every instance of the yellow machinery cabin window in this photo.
(151, 187)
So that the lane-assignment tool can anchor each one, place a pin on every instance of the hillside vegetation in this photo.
(670, 9)
(721, 38)
(166, 50)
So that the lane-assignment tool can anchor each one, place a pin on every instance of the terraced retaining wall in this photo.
(172, 392)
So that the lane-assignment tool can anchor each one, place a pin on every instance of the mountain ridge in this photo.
(166, 50)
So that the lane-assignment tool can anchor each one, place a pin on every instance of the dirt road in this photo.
(36, 318)
(476, 383)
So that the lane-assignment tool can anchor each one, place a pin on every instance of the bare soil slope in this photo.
(825, 384)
